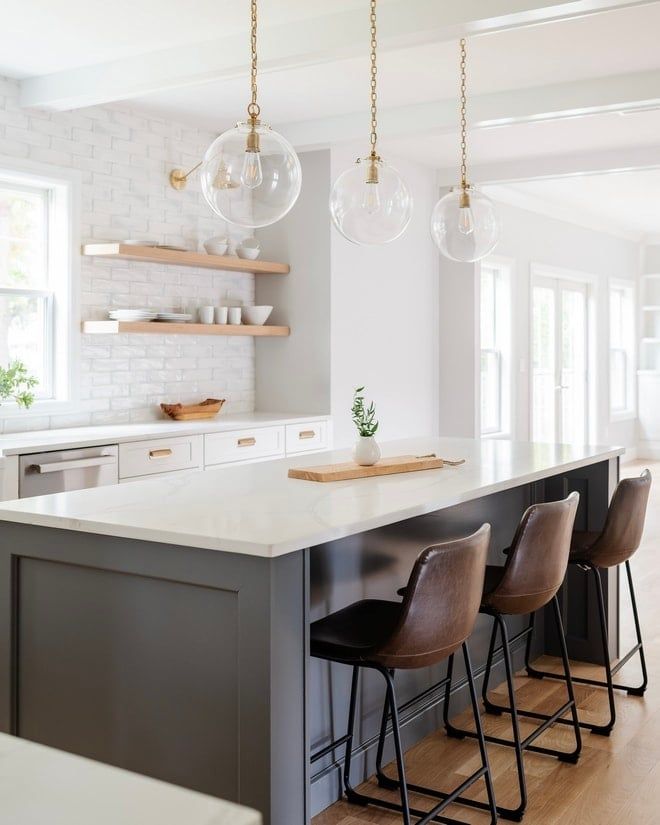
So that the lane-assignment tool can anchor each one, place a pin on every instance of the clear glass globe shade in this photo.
(370, 213)
(248, 188)
(465, 234)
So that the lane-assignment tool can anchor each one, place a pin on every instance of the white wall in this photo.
(384, 319)
(124, 158)
(530, 238)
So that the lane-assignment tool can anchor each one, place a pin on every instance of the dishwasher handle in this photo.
(75, 464)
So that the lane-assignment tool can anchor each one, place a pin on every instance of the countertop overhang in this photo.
(255, 509)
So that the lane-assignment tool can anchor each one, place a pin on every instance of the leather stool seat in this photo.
(355, 632)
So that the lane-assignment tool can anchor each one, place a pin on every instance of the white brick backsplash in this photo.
(124, 158)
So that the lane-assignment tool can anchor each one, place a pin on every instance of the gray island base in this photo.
(162, 626)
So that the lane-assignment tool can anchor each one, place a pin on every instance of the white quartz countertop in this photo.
(256, 509)
(43, 786)
(64, 439)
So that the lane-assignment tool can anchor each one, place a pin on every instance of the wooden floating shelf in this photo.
(155, 255)
(161, 328)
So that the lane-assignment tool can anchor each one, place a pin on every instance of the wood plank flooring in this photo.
(617, 779)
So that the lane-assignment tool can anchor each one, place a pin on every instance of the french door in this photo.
(560, 397)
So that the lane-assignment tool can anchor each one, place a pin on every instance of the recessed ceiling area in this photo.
(625, 203)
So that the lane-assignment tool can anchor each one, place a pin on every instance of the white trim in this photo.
(64, 243)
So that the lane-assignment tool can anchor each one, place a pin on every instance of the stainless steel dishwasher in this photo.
(61, 470)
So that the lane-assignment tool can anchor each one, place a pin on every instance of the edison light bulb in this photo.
(465, 224)
(465, 220)
(251, 173)
(370, 203)
(371, 198)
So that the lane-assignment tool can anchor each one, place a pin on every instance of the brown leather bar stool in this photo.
(529, 580)
(592, 552)
(434, 619)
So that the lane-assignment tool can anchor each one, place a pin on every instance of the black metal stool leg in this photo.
(398, 749)
(384, 781)
(489, 707)
(610, 671)
(569, 757)
(480, 735)
(351, 794)
(637, 691)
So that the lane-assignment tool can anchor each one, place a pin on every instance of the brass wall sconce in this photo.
(179, 178)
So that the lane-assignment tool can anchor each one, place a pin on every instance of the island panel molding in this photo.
(174, 257)
(162, 328)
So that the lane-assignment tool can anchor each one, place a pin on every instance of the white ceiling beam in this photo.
(304, 43)
(621, 159)
(618, 93)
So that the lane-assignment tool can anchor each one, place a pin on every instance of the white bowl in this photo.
(251, 253)
(216, 246)
(256, 316)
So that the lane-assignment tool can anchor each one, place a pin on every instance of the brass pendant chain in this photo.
(374, 70)
(253, 107)
(464, 182)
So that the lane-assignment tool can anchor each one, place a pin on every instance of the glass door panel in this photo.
(559, 361)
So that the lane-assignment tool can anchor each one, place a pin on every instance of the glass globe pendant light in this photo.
(465, 224)
(370, 203)
(251, 175)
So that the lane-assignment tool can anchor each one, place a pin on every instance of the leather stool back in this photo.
(538, 558)
(440, 605)
(622, 533)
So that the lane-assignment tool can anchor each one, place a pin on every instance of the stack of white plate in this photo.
(174, 317)
(132, 314)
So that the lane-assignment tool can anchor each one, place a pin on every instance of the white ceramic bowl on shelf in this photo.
(216, 246)
(249, 249)
(256, 316)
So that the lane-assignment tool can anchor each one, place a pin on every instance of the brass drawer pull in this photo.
(306, 434)
(247, 442)
(160, 453)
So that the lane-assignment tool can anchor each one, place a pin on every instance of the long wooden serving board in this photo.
(386, 466)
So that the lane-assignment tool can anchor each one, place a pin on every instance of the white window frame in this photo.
(503, 353)
(62, 188)
(630, 410)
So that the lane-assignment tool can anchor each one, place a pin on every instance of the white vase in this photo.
(366, 451)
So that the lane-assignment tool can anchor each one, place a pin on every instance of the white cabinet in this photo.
(243, 445)
(163, 455)
(305, 438)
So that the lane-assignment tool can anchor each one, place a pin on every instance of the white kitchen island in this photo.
(162, 626)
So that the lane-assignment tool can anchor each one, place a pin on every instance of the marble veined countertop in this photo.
(255, 509)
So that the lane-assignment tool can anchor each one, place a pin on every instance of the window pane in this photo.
(23, 334)
(618, 380)
(491, 404)
(573, 366)
(543, 380)
(616, 318)
(488, 320)
(23, 233)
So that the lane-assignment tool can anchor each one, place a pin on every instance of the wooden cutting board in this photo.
(386, 466)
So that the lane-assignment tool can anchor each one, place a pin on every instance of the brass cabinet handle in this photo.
(247, 442)
(306, 434)
(160, 453)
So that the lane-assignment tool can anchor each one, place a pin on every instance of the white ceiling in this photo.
(585, 47)
(624, 203)
(551, 84)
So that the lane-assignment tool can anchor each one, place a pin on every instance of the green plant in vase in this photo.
(367, 451)
(17, 383)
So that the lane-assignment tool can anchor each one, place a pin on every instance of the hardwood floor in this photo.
(617, 779)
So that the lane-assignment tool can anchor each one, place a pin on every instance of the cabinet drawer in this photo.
(313, 435)
(242, 445)
(144, 458)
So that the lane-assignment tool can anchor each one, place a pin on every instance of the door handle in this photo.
(75, 464)
(247, 442)
(164, 453)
